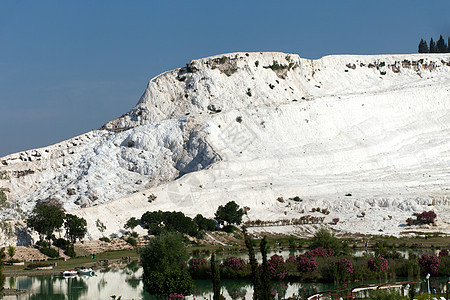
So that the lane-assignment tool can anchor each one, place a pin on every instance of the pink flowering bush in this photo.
(277, 267)
(427, 217)
(235, 263)
(199, 268)
(378, 264)
(342, 269)
(320, 252)
(344, 264)
(291, 259)
(306, 264)
(234, 267)
(429, 263)
(443, 252)
(196, 263)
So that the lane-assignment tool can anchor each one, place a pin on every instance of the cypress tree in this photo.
(215, 272)
(440, 45)
(432, 46)
(266, 290)
(254, 266)
(423, 47)
(2, 277)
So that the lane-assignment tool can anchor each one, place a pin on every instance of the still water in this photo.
(128, 284)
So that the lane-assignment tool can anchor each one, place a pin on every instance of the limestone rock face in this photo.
(348, 134)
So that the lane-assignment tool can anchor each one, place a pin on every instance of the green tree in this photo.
(76, 228)
(204, 223)
(423, 47)
(2, 277)
(157, 222)
(432, 46)
(215, 272)
(11, 251)
(441, 46)
(162, 260)
(131, 223)
(256, 279)
(164, 252)
(229, 214)
(45, 219)
(169, 282)
(324, 238)
(266, 290)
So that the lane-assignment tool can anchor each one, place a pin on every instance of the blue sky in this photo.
(67, 67)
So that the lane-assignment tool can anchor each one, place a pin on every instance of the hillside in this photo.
(350, 134)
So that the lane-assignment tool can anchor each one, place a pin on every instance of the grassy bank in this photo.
(114, 258)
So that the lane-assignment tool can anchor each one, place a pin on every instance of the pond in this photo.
(286, 253)
(128, 284)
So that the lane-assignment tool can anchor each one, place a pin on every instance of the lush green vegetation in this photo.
(229, 214)
(2, 277)
(163, 260)
(439, 47)
(45, 219)
(329, 260)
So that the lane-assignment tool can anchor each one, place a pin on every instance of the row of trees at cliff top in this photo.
(435, 47)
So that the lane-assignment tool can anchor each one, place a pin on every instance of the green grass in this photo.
(70, 263)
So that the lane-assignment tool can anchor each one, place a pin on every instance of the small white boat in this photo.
(69, 273)
(86, 271)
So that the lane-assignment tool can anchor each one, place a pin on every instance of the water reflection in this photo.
(128, 284)
(294, 252)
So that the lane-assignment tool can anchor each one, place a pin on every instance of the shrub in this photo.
(325, 239)
(409, 221)
(408, 268)
(342, 269)
(378, 264)
(235, 263)
(319, 252)
(443, 252)
(444, 265)
(132, 241)
(239, 119)
(61, 243)
(169, 282)
(427, 217)
(37, 265)
(105, 239)
(43, 244)
(277, 267)
(305, 264)
(50, 252)
(429, 264)
(70, 251)
(335, 220)
(196, 263)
